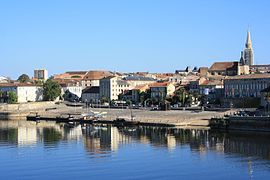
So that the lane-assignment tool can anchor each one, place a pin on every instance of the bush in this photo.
(12, 97)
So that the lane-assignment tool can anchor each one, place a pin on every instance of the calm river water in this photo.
(59, 151)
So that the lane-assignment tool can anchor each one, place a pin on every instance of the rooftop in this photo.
(141, 87)
(96, 75)
(160, 84)
(138, 78)
(249, 76)
(18, 85)
(223, 66)
(76, 72)
(211, 82)
(92, 89)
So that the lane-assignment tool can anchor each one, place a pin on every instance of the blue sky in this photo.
(138, 35)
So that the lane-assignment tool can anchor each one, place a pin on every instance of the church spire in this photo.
(248, 52)
(248, 42)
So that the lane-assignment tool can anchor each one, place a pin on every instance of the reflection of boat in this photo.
(100, 127)
(121, 121)
(132, 129)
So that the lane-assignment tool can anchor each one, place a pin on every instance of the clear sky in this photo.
(128, 35)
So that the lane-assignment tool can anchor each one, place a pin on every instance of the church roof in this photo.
(223, 66)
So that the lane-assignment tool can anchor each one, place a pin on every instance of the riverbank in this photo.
(183, 118)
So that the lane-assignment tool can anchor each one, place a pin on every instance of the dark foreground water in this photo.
(58, 151)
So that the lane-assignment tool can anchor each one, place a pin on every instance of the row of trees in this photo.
(181, 96)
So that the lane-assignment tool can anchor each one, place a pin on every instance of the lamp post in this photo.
(75, 105)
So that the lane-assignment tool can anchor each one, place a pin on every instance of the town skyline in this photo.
(128, 37)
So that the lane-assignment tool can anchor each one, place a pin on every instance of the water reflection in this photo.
(101, 141)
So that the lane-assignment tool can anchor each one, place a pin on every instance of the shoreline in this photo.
(178, 118)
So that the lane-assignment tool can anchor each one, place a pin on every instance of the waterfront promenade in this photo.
(174, 117)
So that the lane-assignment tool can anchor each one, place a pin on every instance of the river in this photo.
(49, 150)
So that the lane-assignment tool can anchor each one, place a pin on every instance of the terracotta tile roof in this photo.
(109, 77)
(248, 76)
(67, 82)
(68, 75)
(17, 85)
(211, 83)
(96, 75)
(76, 72)
(160, 84)
(223, 66)
(141, 87)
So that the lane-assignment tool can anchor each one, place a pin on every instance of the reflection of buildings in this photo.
(27, 136)
(171, 142)
(75, 133)
(25, 133)
(101, 140)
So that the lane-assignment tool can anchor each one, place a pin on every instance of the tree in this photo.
(24, 78)
(180, 96)
(144, 95)
(39, 82)
(104, 99)
(12, 97)
(51, 90)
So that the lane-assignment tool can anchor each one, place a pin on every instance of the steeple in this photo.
(248, 52)
(248, 42)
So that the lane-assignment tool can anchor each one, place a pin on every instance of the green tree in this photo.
(12, 97)
(51, 90)
(39, 82)
(104, 99)
(180, 96)
(24, 78)
(144, 95)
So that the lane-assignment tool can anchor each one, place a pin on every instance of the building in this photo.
(213, 88)
(229, 68)
(161, 90)
(136, 92)
(91, 95)
(242, 86)
(139, 80)
(41, 74)
(163, 76)
(112, 86)
(247, 57)
(265, 99)
(92, 78)
(72, 91)
(262, 68)
(181, 79)
(184, 71)
(3, 79)
(24, 92)
(203, 71)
